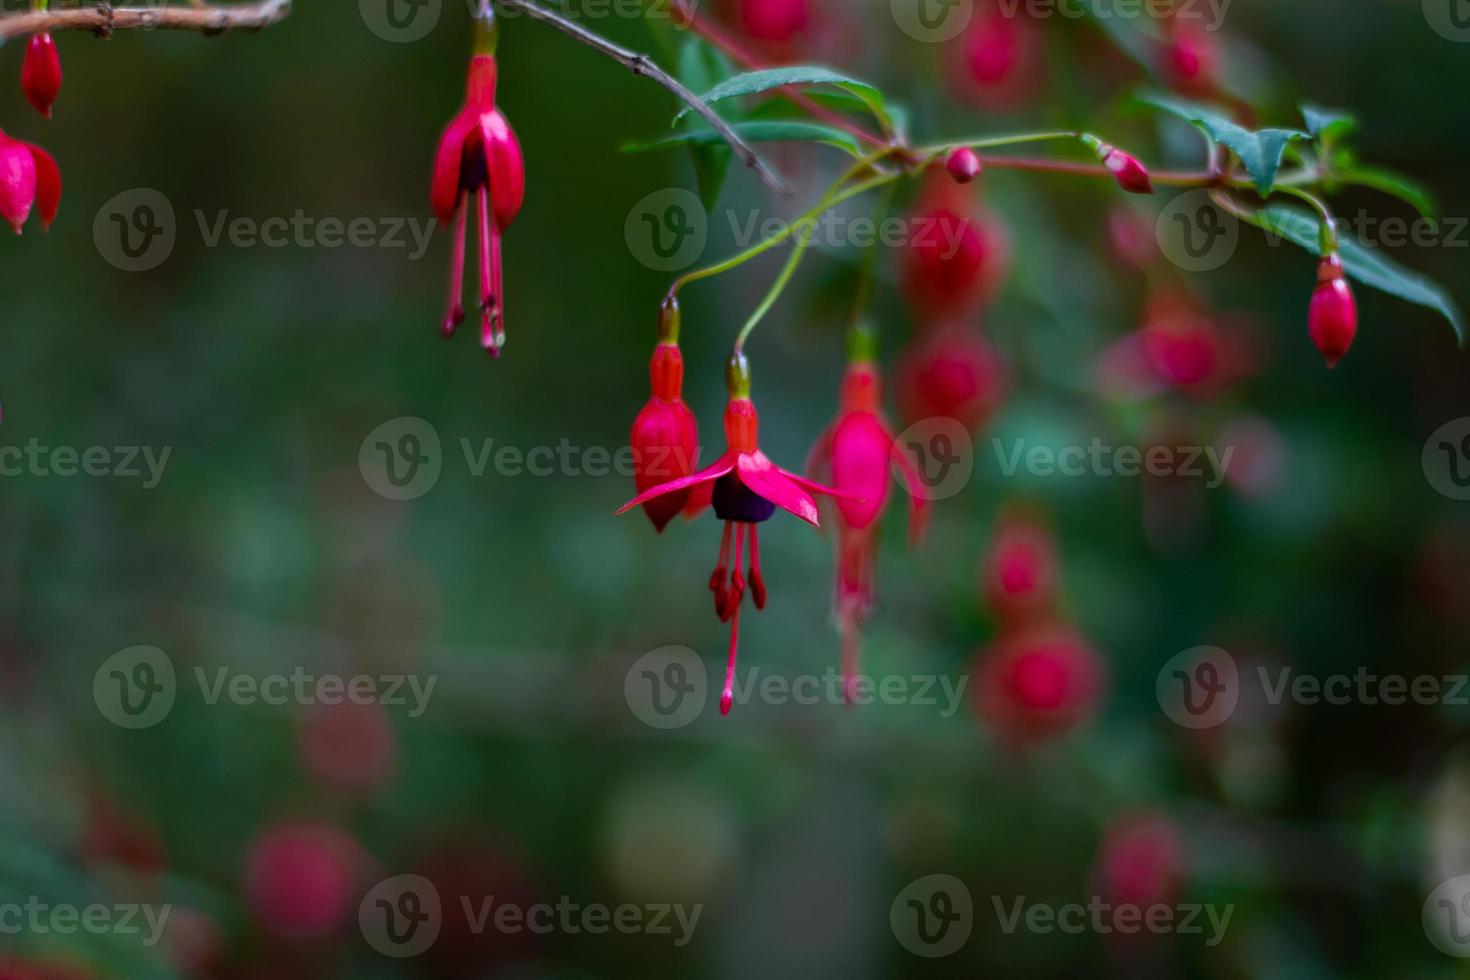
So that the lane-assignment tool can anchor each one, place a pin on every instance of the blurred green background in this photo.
(796, 827)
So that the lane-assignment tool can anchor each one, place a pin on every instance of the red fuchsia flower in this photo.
(746, 490)
(1141, 861)
(963, 165)
(1039, 684)
(856, 455)
(301, 877)
(773, 21)
(1333, 318)
(665, 437)
(29, 178)
(479, 160)
(951, 371)
(996, 62)
(1019, 576)
(957, 253)
(40, 73)
(1191, 59)
(1131, 175)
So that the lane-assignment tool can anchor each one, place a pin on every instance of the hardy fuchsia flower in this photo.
(746, 490)
(479, 157)
(857, 455)
(665, 435)
(28, 177)
(40, 73)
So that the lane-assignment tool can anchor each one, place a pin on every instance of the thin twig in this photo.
(103, 18)
(643, 65)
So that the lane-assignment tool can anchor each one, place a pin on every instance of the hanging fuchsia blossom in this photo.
(857, 455)
(479, 164)
(40, 73)
(665, 436)
(746, 490)
(29, 178)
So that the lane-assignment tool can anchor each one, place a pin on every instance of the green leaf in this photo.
(1364, 264)
(1259, 151)
(754, 131)
(702, 66)
(755, 82)
(1394, 184)
(1328, 124)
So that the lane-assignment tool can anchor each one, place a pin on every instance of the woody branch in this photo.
(103, 18)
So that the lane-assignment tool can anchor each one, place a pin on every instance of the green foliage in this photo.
(1259, 151)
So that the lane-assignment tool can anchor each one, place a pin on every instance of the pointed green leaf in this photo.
(702, 66)
(1367, 265)
(754, 131)
(1259, 151)
(1328, 124)
(755, 82)
(1396, 185)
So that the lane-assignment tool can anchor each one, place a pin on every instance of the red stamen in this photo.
(727, 698)
(737, 578)
(454, 310)
(497, 288)
(757, 582)
(487, 294)
(717, 578)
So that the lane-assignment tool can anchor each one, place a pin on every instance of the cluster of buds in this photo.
(29, 177)
(1041, 678)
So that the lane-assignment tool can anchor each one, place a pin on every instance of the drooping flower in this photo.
(951, 371)
(856, 455)
(746, 489)
(777, 21)
(1333, 317)
(1141, 861)
(300, 878)
(997, 62)
(1191, 59)
(479, 164)
(40, 73)
(1039, 683)
(665, 434)
(957, 253)
(29, 178)
(1019, 576)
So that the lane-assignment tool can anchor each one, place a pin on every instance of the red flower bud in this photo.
(1131, 175)
(665, 437)
(40, 73)
(1191, 59)
(28, 177)
(963, 164)
(1141, 861)
(1333, 318)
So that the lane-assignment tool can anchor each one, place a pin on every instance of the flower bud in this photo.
(1039, 684)
(963, 164)
(1333, 318)
(1131, 175)
(40, 73)
(665, 437)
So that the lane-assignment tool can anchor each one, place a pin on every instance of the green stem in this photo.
(990, 142)
(798, 252)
